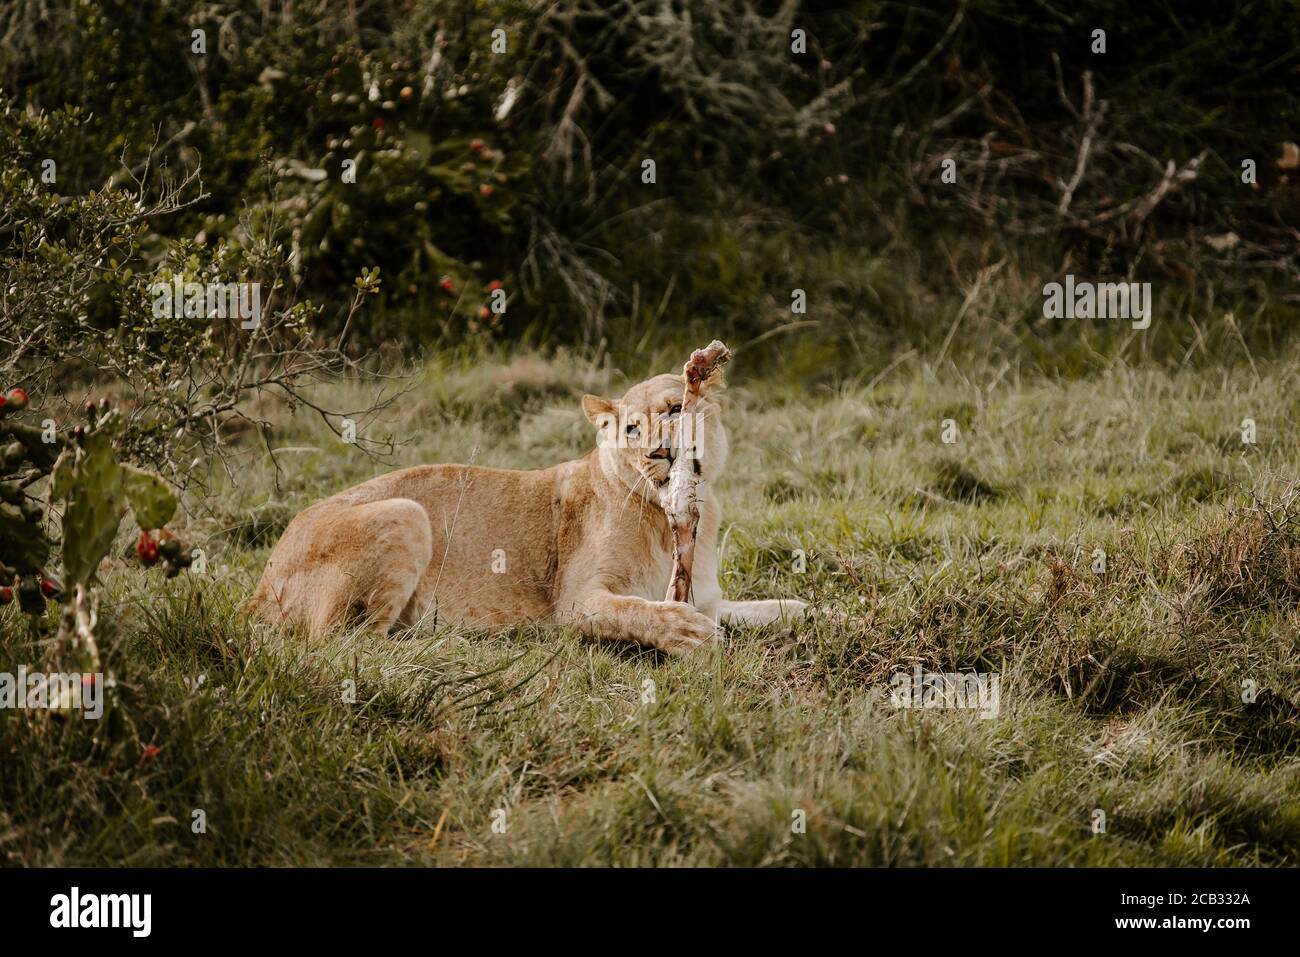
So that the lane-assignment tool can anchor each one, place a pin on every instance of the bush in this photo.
(187, 334)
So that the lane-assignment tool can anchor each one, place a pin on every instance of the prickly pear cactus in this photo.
(152, 502)
(25, 549)
(84, 480)
(96, 503)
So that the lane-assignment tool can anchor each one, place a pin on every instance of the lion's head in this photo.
(640, 434)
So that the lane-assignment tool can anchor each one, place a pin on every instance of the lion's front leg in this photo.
(671, 626)
(708, 594)
(762, 612)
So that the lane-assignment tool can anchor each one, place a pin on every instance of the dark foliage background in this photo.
(775, 170)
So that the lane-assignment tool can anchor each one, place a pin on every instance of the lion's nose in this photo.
(663, 452)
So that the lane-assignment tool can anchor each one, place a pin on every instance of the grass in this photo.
(1121, 689)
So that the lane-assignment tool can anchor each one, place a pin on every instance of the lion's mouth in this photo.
(661, 469)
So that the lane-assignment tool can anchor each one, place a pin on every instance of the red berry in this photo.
(486, 189)
(6, 594)
(49, 587)
(484, 312)
(17, 398)
(378, 123)
(151, 751)
(3, 401)
(147, 548)
(476, 145)
(446, 284)
(494, 285)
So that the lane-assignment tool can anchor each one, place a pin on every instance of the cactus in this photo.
(96, 492)
(24, 548)
(96, 503)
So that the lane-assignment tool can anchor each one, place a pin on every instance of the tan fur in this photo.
(584, 542)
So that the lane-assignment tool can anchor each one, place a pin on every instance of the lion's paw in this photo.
(682, 628)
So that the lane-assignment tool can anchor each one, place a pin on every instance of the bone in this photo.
(679, 496)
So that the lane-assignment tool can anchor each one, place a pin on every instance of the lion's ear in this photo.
(597, 409)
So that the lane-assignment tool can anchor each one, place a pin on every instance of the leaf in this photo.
(63, 475)
(41, 453)
(151, 500)
(22, 543)
(95, 509)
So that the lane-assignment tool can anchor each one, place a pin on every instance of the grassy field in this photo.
(1121, 691)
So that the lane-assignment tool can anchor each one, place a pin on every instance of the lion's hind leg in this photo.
(349, 565)
(387, 549)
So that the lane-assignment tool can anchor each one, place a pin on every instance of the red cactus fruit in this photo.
(147, 548)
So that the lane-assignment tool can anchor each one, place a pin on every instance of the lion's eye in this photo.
(675, 411)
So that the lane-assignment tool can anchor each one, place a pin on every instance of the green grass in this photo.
(1120, 691)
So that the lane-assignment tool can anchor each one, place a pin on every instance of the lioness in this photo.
(585, 542)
